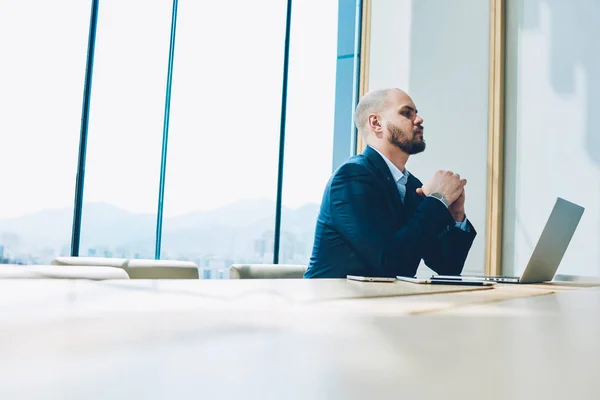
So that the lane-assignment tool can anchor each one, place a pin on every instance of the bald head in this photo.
(388, 120)
(372, 102)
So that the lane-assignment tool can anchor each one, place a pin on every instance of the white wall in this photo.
(552, 127)
(437, 51)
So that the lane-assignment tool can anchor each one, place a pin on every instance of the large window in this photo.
(125, 129)
(310, 124)
(223, 147)
(43, 46)
(221, 177)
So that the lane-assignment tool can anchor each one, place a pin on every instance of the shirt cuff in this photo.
(462, 225)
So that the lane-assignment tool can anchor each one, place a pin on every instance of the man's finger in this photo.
(420, 192)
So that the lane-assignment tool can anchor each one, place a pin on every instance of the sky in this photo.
(225, 105)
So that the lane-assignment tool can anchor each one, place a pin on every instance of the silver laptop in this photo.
(549, 250)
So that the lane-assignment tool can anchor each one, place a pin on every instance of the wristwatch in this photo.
(440, 197)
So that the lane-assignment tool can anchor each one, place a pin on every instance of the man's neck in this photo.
(395, 155)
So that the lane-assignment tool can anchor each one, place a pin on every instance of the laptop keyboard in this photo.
(503, 278)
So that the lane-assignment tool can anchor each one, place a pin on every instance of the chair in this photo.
(266, 271)
(137, 268)
(8, 271)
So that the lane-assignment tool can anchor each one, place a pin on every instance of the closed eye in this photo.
(408, 112)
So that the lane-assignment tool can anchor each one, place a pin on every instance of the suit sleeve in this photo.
(357, 213)
(446, 254)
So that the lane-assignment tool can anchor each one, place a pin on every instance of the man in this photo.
(376, 218)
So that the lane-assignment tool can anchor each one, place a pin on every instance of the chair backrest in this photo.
(267, 271)
(161, 269)
(61, 272)
(91, 261)
(138, 268)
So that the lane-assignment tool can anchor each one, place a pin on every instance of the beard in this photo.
(399, 139)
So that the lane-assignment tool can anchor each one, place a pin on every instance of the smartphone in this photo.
(370, 278)
(445, 281)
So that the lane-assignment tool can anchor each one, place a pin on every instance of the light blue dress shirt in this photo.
(401, 177)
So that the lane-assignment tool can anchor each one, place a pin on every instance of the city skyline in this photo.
(232, 232)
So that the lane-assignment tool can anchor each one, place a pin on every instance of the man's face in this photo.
(404, 127)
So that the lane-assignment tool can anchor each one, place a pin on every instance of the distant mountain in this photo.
(230, 231)
(240, 213)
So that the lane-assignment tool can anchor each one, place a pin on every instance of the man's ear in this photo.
(374, 122)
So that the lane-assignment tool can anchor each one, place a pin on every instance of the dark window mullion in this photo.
(85, 116)
(278, 204)
(163, 161)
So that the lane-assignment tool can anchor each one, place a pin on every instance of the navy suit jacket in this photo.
(364, 229)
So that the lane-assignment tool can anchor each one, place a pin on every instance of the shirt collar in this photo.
(396, 173)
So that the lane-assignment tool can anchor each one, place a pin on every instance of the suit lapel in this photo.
(386, 178)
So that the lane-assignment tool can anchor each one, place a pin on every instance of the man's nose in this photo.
(418, 120)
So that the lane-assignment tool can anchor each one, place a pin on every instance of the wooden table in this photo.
(305, 339)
